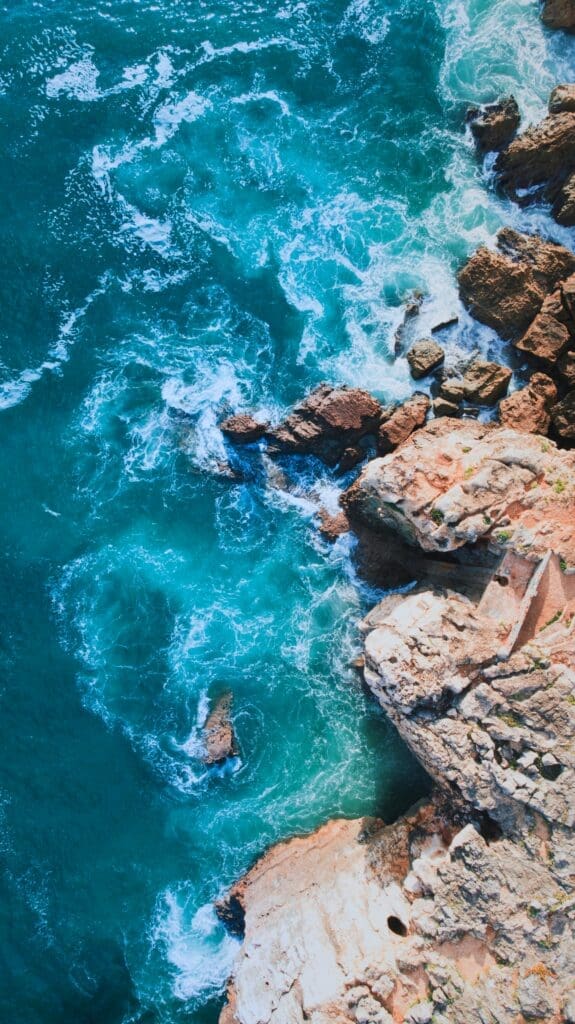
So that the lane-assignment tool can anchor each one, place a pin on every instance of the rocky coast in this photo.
(464, 909)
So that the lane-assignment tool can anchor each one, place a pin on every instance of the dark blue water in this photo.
(206, 208)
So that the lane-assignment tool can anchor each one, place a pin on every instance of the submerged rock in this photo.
(219, 737)
(243, 429)
(529, 409)
(424, 356)
(494, 125)
(327, 422)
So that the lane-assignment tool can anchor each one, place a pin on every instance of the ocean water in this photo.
(207, 206)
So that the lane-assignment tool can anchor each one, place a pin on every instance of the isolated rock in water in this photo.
(563, 416)
(332, 526)
(485, 382)
(327, 422)
(454, 483)
(543, 155)
(559, 14)
(528, 410)
(401, 422)
(424, 356)
(494, 125)
(562, 98)
(243, 429)
(219, 738)
(505, 289)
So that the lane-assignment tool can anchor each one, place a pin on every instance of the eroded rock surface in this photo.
(494, 125)
(559, 14)
(455, 482)
(327, 422)
(219, 737)
(399, 423)
(528, 410)
(424, 356)
(243, 429)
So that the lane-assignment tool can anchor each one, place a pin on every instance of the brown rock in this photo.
(505, 289)
(564, 205)
(424, 356)
(452, 388)
(549, 335)
(402, 422)
(327, 422)
(566, 368)
(243, 429)
(562, 98)
(544, 154)
(494, 125)
(559, 14)
(219, 738)
(563, 416)
(444, 407)
(528, 410)
(333, 526)
(485, 382)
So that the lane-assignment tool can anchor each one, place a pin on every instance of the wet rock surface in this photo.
(400, 422)
(424, 357)
(218, 734)
(327, 422)
(528, 410)
(243, 429)
(559, 14)
(494, 125)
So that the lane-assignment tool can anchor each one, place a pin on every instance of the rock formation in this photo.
(494, 125)
(424, 356)
(243, 429)
(218, 733)
(559, 14)
(399, 422)
(529, 409)
(485, 382)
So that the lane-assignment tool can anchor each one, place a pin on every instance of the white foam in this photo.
(196, 945)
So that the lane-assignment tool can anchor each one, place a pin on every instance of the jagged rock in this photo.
(327, 422)
(455, 482)
(452, 388)
(444, 407)
(243, 429)
(566, 368)
(400, 422)
(559, 14)
(424, 356)
(505, 289)
(529, 410)
(563, 416)
(562, 98)
(543, 155)
(332, 526)
(219, 738)
(485, 382)
(564, 205)
(494, 125)
(550, 332)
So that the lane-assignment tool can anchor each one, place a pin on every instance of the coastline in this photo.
(461, 910)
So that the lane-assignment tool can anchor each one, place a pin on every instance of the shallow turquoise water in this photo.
(206, 207)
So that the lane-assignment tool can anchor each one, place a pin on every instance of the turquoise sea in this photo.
(206, 206)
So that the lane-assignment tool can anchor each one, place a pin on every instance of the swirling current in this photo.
(207, 206)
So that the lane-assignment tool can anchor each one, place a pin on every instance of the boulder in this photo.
(327, 422)
(566, 369)
(399, 422)
(564, 205)
(494, 125)
(452, 389)
(543, 155)
(559, 14)
(424, 356)
(529, 409)
(332, 526)
(562, 98)
(506, 288)
(243, 429)
(563, 416)
(485, 382)
(218, 733)
(444, 407)
(553, 329)
(456, 482)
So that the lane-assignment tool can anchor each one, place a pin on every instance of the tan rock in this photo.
(402, 421)
(424, 356)
(219, 738)
(549, 334)
(243, 429)
(327, 422)
(528, 410)
(332, 526)
(494, 125)
(563, 416)
(444, 407)
(542, 154)
(456, 482)
(564, 205)
(485, 382)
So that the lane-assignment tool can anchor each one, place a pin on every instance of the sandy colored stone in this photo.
(528, 409)
(402, 421)
(484, 382)
(243, 429)
(562, 98)
(424, 356)
(219, 738)
(327, 422)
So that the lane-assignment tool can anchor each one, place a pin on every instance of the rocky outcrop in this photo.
(542, 155)
(456, 482)
(243, 429)
(218, 734)
(529, 409)
(563, 416)
(494, 125)
(562, 98)
(559, 14)
(399, 422)
(424, 357)
(328, 422)
(552, 330)
(506, 288)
